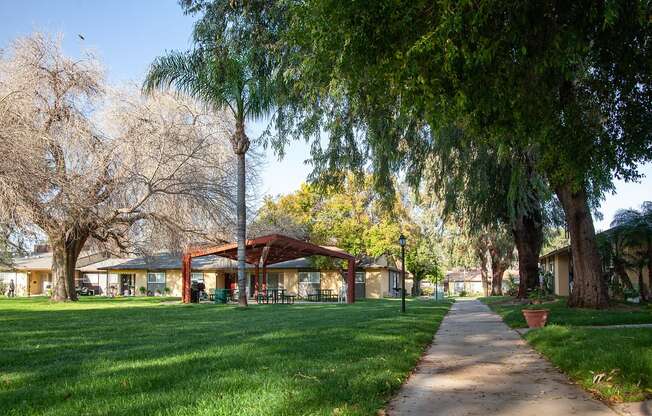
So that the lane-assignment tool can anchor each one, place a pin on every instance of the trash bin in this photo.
(194, 293)
(221, 295)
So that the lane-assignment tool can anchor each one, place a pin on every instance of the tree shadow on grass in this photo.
(203, 359)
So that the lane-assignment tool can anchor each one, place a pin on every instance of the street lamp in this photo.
(401, 241)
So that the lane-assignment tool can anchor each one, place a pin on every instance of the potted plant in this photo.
(536, 318)
(142, 290)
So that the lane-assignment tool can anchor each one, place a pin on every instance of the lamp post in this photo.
(401, 241)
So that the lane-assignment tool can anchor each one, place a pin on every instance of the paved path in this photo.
(478, 366)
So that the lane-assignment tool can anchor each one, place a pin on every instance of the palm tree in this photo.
(636, 227)
(223, 78)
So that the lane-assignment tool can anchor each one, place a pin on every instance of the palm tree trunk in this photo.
(242, 231)
(589, 289)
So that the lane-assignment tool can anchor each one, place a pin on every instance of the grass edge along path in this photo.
(614, 364)
(139, 356)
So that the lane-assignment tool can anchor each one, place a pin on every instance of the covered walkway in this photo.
(266, 250)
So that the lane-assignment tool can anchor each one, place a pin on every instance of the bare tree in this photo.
(91, 163)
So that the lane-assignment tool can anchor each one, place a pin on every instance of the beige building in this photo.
(32, 274)
(560, 264)
(161, 274)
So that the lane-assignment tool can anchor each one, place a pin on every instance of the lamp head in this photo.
(401, 240)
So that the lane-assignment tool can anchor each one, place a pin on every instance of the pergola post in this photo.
(350, 282)
(264, 276)
(185, 277)
(256, 281)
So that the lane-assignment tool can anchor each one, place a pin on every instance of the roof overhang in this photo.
(271, 249)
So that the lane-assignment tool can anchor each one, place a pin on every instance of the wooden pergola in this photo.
(263, 251)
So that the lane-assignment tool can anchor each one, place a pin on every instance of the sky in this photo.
(126, 35)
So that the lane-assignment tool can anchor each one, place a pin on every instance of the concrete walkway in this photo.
(478, 366)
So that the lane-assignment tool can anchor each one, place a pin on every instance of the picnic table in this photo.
(274, 295)
(322, 295)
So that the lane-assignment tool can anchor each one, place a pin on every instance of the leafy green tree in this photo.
(568, 83)
(350, 217)
(229, 68)
(421, 260)
(632, 238)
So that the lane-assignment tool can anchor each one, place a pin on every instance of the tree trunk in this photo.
(481, 254)
(649, 261)
(642, 289)
(65, 252)
(485, 280)
(528, 236)
(497, 271)
(242, 231)
(589, 289)
(621, 272)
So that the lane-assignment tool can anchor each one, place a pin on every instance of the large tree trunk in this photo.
(497, 271)
(242, 232)
(589, 289)
(528, 236)
(65, 251)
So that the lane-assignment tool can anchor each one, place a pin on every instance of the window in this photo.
(359, 277)
(7, 276)
(197, 277)
(275, 280)
(394, 280)
(155, 282)
(309, 282)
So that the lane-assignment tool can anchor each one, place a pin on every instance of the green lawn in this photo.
(615, 364)
(560, 314)
(624, 356)
(139, 356)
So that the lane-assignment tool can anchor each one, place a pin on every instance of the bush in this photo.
(427, 291)
(3, 288)
(167, 290)
(142, 290)
(463, 293)
(512, 286)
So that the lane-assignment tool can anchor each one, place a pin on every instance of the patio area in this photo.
(262, 252)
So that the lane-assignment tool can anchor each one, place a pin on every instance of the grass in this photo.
(141, 356)
(561, 314)
(614, 364)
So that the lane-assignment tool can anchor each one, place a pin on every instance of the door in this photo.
(360, 285)
(230, 281)
(127, 284)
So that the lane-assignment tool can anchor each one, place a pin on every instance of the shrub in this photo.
(142, 290)
(512, 286)
(167, 290)
(463, 293)
(427, 291)
(3, 287)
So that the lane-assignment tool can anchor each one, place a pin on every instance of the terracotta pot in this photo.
(536, 318)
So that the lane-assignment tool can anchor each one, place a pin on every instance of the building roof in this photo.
(271, 249)
(43, 261)
(101, 266)
(564, 249)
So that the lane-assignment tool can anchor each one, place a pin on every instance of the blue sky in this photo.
(128, 35)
